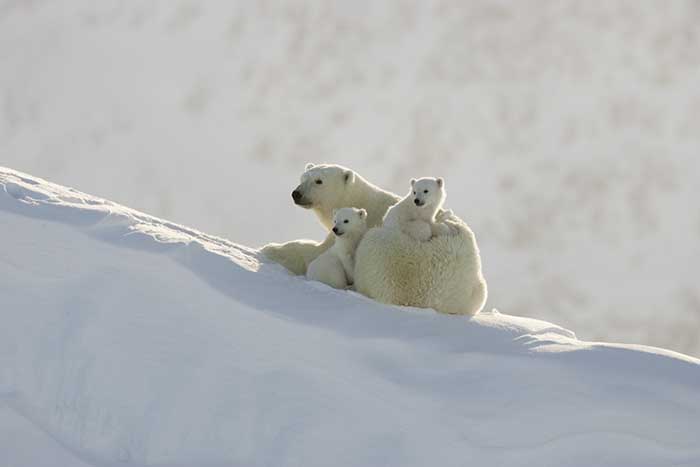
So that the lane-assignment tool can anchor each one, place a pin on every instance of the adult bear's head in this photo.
(323, 187)
(326, 187)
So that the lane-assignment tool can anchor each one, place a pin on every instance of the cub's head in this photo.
(349, 221)
(428, 192)
(322, 186)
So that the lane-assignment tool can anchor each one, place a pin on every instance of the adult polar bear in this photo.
(443, 273)
(323, 189)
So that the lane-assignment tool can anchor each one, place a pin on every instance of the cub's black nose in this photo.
(296, 196)
(335, 229)
(417, 202)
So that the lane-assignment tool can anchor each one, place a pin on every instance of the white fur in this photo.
(443, 273)
(336, 265)
(415, 214)
(340, 187)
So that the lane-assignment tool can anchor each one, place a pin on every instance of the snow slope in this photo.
(129, 339)
(567, 130)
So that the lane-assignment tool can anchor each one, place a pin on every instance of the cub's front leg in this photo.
(349, 267)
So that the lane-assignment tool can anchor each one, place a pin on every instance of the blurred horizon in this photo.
(568, 132)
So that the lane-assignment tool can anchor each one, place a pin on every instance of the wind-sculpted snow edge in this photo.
(146, 342)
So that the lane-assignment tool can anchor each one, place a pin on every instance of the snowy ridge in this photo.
(130, 339)
(567, 130)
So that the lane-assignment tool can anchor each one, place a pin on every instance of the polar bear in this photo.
(336, 265)
(322, 189)
(415, 214)
(443, 274)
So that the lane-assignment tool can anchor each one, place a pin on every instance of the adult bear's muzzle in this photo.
(299, 199)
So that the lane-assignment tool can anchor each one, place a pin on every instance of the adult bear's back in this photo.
(443, 273)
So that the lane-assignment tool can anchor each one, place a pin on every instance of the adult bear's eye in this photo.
(319, 182)
(425, 191)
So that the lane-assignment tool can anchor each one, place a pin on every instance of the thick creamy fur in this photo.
(336, 266)
(341, 187)
(443, 273)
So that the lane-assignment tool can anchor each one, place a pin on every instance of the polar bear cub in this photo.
(416, 214)
(336, 265)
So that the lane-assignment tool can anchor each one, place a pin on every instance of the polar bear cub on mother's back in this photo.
(336, 265)
(415, 214)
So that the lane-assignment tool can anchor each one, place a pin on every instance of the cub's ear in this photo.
(333, 213)
(413, 181)
(440, 182)
(349, 176)
(309, 166)
(363, 213)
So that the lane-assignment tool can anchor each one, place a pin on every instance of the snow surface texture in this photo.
(126, 339)
(567, 130)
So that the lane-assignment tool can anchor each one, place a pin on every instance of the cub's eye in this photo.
(425, 191)
(414, 192)
(345, 221)
(319, 182)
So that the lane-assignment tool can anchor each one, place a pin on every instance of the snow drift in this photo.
(567, 130)
(126, 339)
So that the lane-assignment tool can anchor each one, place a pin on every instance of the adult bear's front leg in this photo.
(296, 255)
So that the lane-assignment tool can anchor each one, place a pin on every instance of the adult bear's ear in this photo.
(413, 181)
(440, 182)
(363, 213)
(309, 166)
(349, 176)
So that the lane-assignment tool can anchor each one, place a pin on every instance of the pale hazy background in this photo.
(568, 131)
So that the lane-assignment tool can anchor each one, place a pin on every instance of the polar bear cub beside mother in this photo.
(336, 265)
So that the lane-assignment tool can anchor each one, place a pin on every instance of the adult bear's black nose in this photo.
(296, 196)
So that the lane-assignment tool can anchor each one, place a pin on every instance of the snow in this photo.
(567, 130)
(127, 339)
(24, 444)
